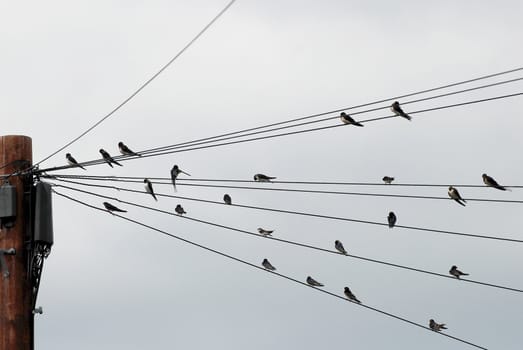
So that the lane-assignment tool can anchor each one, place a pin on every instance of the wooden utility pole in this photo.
(16, 314)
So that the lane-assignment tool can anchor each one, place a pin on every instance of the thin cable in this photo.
(101, 161)
(294, 212)
(301, 244)
(219, 138)
(144, 84)
(272, 272)
(356, 106)
(182, 181)
(512, 201)
(325, 127)
(194, 143)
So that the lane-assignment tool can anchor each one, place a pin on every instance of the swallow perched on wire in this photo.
(388, 179)
(108, 159)
(126, 151)
(350, 295)
(454, 194)
(489, 181)
(436, 327)
(175, 171)
(392, 219)
(73, 161)
(179, 210)
(456, 273)
(347, 119)
(311, 281)
(227, 199)
(268, 265)
(396, 109)
(263, 232)
(149, 188)
(263, 178)
(112, 208)
(339, 247)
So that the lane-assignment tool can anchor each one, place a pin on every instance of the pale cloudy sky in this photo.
(109, 284)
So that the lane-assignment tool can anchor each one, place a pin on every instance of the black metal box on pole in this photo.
(43, 215)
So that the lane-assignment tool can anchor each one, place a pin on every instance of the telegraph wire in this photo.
(511, 201)
(183, 149)
(182, 181)
(272, 272)
(125, 158)
(322, 128)
(218, 138)
(348, 108)
(329, 217)
(295, 243)
(144, 84)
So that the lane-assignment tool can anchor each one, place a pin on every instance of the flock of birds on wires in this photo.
(347, 119)
(265, 132)
(338, 245)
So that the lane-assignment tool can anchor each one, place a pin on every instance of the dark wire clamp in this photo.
(3, 262)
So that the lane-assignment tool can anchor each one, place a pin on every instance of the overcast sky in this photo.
(110, 284)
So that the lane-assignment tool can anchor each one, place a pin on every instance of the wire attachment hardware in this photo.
(3, 262)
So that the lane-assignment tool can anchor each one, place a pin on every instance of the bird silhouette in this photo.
(263, 178)
(126, 151)
(392, 219)
(396, 109)
(108, 159)
(268, 265)
(436, 327)
(73, 161)
(350, 295)
(149, 188)
(347, 119)
(388, 179)
(339, 247)
(454, 194)
(112, 208)
(457, 273)
(311, 281)
(263, 232)
(489, 181)
(175, 171)
(179, 210)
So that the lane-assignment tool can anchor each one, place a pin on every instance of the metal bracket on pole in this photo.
(3, 262)
(7, 205)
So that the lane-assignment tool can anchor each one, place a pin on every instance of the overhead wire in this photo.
(271, 272)
(183, 181)
(488, 76)
(136, 92)
(350, 108)
(292, 190)
(168, 149)
(219, 138)
(323, 128)
(283, 211)
(295, 243)
(126, 158)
